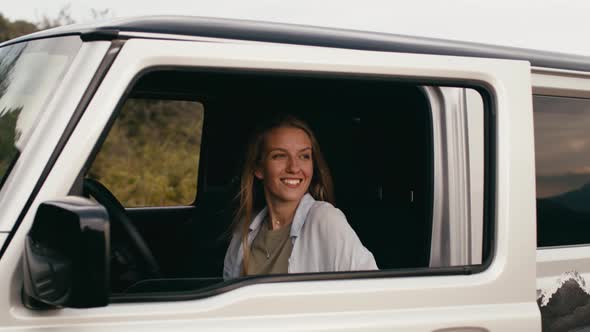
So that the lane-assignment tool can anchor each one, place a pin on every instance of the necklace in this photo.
(276, 223)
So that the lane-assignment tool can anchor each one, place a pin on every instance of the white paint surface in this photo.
(501, 298)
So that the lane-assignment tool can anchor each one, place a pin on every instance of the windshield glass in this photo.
(29, 74)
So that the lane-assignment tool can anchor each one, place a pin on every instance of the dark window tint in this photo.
(562, 147)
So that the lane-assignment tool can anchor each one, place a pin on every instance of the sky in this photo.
(554, 25)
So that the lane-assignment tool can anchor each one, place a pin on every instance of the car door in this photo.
(498, 295)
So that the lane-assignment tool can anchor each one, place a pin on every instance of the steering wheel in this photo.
(118, 217)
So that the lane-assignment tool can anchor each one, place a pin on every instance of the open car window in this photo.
(392, 148)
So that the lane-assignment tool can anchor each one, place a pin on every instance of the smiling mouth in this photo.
(292, 182)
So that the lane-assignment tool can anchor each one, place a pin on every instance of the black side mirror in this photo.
(66, 257)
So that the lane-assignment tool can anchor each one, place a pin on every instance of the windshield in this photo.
(29, 74)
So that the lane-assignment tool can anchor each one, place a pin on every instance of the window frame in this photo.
(489, 227)
(552, 262)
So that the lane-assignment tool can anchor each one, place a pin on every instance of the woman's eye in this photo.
(278, 156)
(306, 156)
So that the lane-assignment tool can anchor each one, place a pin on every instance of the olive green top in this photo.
(270, 251)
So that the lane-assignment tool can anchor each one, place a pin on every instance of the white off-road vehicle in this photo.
(463, 168)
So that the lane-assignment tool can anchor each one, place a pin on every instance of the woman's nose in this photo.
(293, 165)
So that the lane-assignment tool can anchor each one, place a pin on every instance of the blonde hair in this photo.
(251, 195)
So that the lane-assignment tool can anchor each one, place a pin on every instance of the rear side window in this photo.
(562, 148)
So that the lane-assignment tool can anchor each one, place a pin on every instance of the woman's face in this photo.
(286, 167)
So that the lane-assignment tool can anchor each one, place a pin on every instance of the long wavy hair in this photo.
(251, 194)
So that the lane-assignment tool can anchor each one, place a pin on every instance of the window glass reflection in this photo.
(29, 73)
(562, 147)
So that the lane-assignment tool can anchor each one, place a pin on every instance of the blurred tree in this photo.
(10, 29)
(100, 14)
(64, 17)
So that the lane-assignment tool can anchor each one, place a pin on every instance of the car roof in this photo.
(177, 27)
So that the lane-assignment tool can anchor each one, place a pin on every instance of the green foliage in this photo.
(151, 155)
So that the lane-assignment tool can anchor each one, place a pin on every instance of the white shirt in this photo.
(323, 241)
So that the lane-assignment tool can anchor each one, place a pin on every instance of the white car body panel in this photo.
(501, 298)
(564, 83)
(553, 262)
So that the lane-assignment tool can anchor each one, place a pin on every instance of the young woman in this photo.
(296, 229)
